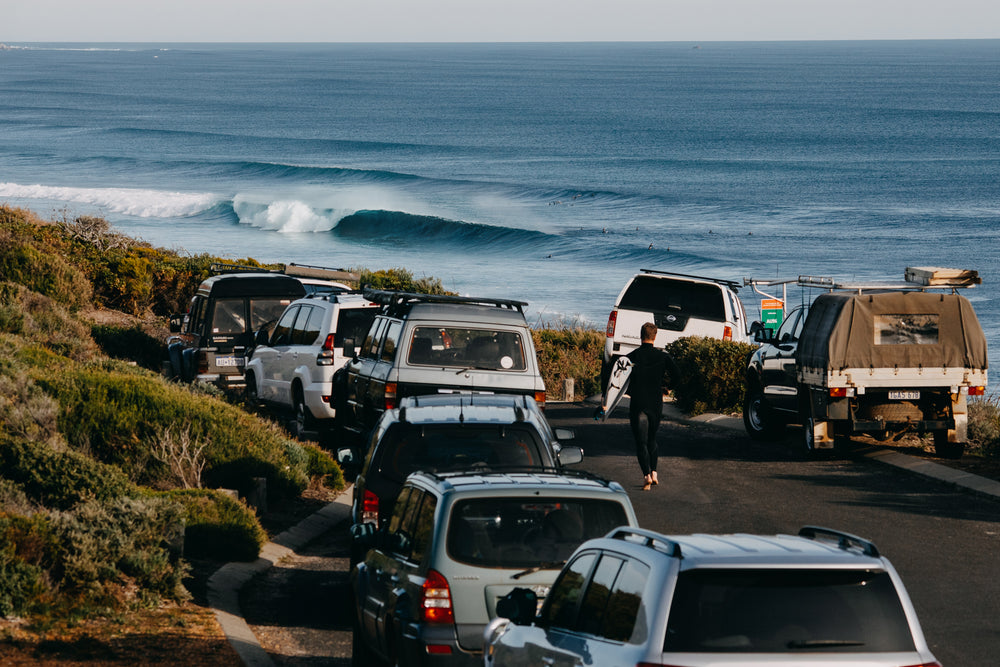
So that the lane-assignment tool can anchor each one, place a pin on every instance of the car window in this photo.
(560, 609)
(406, 448)
(352, 324)
(791, 328)
(265, 309)
(299, 328)
(229, 316)
(370, 347)
(527, 531)
(786, 611)
(666, 295)
(391, 338)
(310, 331)
(399, 510)
(197, 313)
(595, 598)
(423, 527)
(283, 330)
(461, 347)
(620, 620)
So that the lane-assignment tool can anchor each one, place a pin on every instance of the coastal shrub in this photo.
(712, 374)
(218, 527)
(57, 478)
(25, 410)
(131, 343)
(26, 548)
(322, 468)
(984, 425)
(569, 351)
(42, 320)
(399, 279)
(40, 270)
(119, 552)
(118, 414)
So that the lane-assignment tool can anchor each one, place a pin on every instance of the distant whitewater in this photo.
(543, 172)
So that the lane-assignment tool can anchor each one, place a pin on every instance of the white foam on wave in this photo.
(126, 201)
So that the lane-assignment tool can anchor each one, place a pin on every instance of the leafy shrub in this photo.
(40, 319)
(321, 467)
(25, 410)
(400, 280)
(59, 479)
(218, 527)
(570, 351)
(131, 343)
(984, 425)
(712, 374)
(25, 545)
(27, 261)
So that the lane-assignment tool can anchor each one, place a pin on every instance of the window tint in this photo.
(229, 316)
(283, 331)
(353, 324)
(370, 347)
(197, 313)
(564, 597)
(299, 328)
(595, 600)
(399, 509)
(528, 531)
(786, 611)
(666, 295)
(460, 347)
(423, 528)
(264, 310)
(620, 619)
(391, 338)
(308, 333)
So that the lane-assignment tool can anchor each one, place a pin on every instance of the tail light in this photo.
(612, 320)
(977, 391)
(202, 363)
(727, 333)
(390, 395)
(325, 356)
(841, 392)
(435, 599)
(540, 398)
(369, 508)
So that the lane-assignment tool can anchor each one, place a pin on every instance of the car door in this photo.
(381, 368)
(778, 363)
(270, 355)
(289, 356)
(359, 371)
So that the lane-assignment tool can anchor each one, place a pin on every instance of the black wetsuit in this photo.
(645, 390)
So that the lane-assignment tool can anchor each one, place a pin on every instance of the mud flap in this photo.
(822, 434)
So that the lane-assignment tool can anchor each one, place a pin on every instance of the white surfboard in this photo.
(617, 386)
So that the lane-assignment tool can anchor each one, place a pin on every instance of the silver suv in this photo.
(457, 543)
(291, 367)
(680, 305)
(638, 597)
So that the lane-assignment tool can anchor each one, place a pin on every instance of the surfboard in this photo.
(617, 386)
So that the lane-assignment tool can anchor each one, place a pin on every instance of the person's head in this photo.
(648, 332)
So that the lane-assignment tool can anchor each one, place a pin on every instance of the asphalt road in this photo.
(944, 542)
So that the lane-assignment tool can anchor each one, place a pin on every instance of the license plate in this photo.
(228, 361)
(904, 395)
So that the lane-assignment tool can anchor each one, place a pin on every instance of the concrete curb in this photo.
(225, 583)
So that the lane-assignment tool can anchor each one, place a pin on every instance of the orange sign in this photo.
(771, 304)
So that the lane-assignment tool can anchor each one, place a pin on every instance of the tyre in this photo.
(250, 395)
(945, 449)
(758, 419)
(809, 435)
(303, 420)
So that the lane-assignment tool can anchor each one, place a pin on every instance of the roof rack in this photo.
(320, 272)
(223, 267)
(729, 283)
(844, 540)
(914, 279)
(399, 302)
(507, 470)
(647, 538)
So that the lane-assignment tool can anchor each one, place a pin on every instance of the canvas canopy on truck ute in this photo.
(891, 329)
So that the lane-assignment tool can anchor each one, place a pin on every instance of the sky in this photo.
(492, 20)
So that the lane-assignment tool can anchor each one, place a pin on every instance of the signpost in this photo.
(772, 313)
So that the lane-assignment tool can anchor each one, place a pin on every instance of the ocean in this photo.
(543, 172)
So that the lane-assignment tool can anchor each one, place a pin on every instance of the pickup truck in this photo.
(878, 360)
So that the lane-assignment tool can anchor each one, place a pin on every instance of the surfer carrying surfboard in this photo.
(650, 369)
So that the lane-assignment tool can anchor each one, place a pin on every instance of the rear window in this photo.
(525, 532)
(786, 611)
(459, 347)
(666, 295)
(406, 448)
(266, 309)
(353, 324)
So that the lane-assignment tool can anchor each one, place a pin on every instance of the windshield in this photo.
(782, 611)
(406, 448)
(525, 532)
(467, 348)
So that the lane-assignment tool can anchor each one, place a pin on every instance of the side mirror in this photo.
(570, 455)
(176, 323)
(761, 334)
(349, 350)
(519, 606)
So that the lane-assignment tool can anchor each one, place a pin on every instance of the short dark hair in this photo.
(648, 331)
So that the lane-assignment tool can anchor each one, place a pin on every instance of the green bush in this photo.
(28, 260)
(218, 527)
(41, 320)
(984, 425)
(26, 545)
(570, 351)
(400, 280)
(322, 467)
(712, 374)
(59, 479)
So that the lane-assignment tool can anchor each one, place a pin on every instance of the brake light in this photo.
(390, 395)
(839, 392)
(202, 363)
(328, 343)
(435, 599)
(612, 320)
(325, 356)
(727, 333)
(977, 391)
(369, 508)
(540, 398)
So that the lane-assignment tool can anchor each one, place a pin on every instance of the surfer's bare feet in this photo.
(647, 482)
(652, 478)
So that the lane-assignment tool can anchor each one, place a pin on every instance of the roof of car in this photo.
(462, 408)
(465, 312)
(252, 284)
(561, 480)
(813, 547)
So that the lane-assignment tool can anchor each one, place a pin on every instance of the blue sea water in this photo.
(544, 172)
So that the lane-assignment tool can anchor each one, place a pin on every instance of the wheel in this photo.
(809, 435)
(945, 449)
(250, 395)
(303, 420)
(759, 420)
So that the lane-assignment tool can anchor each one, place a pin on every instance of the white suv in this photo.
(292, 366)
(680, 305)
(636, 597)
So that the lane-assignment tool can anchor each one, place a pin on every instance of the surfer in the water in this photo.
(650, 367)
